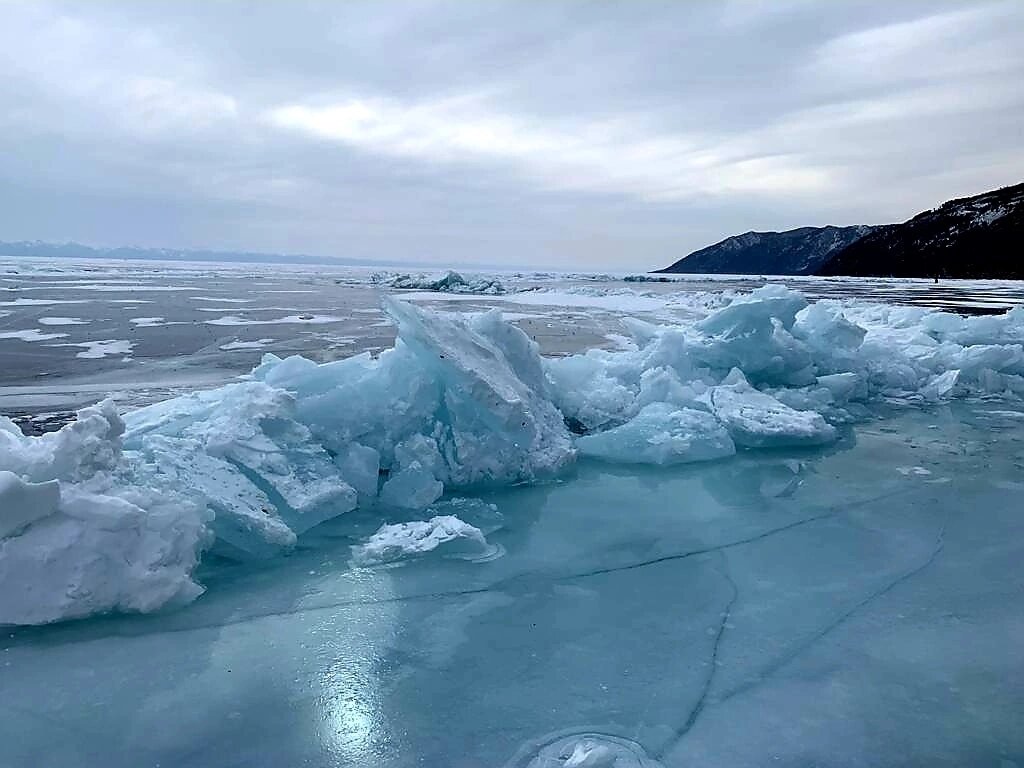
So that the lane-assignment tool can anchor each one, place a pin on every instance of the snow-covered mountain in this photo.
(794, 252)
(972, 237)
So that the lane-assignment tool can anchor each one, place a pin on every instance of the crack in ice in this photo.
(709, 680)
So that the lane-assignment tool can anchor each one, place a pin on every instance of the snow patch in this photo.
(257, 344)
(303, 319)
(31, 334)
(62, 321)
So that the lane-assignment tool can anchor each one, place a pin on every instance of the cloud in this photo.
(617, 134)
(615, 156)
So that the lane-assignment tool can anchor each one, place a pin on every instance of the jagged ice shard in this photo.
(446, 551)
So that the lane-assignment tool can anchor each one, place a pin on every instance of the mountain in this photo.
(794, 252)
(40, 249)
(972, 237)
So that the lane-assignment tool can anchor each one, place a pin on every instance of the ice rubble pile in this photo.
(771, 370)
(450, 282)
(113, 514)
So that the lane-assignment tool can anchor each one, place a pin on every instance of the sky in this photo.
(565, 134)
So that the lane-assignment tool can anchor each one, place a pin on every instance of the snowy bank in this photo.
(113, 513)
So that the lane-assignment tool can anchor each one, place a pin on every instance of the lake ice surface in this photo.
(854, 604)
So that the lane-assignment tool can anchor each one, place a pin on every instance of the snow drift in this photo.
(114, 513)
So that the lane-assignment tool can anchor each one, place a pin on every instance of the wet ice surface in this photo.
(808, 608)
(857, 604)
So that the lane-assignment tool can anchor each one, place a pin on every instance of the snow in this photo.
(31, 334)
(97, 350)
(403, 540)
(147, 322)
(23, 302)
(255, 344)
(309, 319)
(62, 321)
(106, 544)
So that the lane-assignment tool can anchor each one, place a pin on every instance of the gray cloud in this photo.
(617, 134)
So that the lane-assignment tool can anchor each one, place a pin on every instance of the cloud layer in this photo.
(567, 134)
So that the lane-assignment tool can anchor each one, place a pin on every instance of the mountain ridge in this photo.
(980, 236)
(799, 251)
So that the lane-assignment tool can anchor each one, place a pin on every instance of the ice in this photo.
(587, 750)
(403, 540)
(450, 282)
(757, 420)
(661, 434)
(412, 487)
(22, 503)
(107, 544)
(462, 402)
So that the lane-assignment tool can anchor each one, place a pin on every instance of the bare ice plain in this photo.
(738, 529)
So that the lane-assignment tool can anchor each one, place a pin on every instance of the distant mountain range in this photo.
(40, 249)
(794, 252)
(972, 237)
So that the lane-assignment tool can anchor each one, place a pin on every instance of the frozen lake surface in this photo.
(849, 595)
(74, 333)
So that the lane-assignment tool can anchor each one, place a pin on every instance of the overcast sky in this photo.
(567, 134)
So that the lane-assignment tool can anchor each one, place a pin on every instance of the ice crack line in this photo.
(709, 679)
(695, 552)
(802, 647)
(795, 652)
(835, 512)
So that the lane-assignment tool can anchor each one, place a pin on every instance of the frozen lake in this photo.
(72, 333)
(843, 588)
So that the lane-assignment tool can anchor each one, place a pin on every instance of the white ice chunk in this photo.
(134, 551)
(402, 540)
(661, 434)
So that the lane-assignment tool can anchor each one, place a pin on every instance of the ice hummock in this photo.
(113, 513)
(450, 282)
